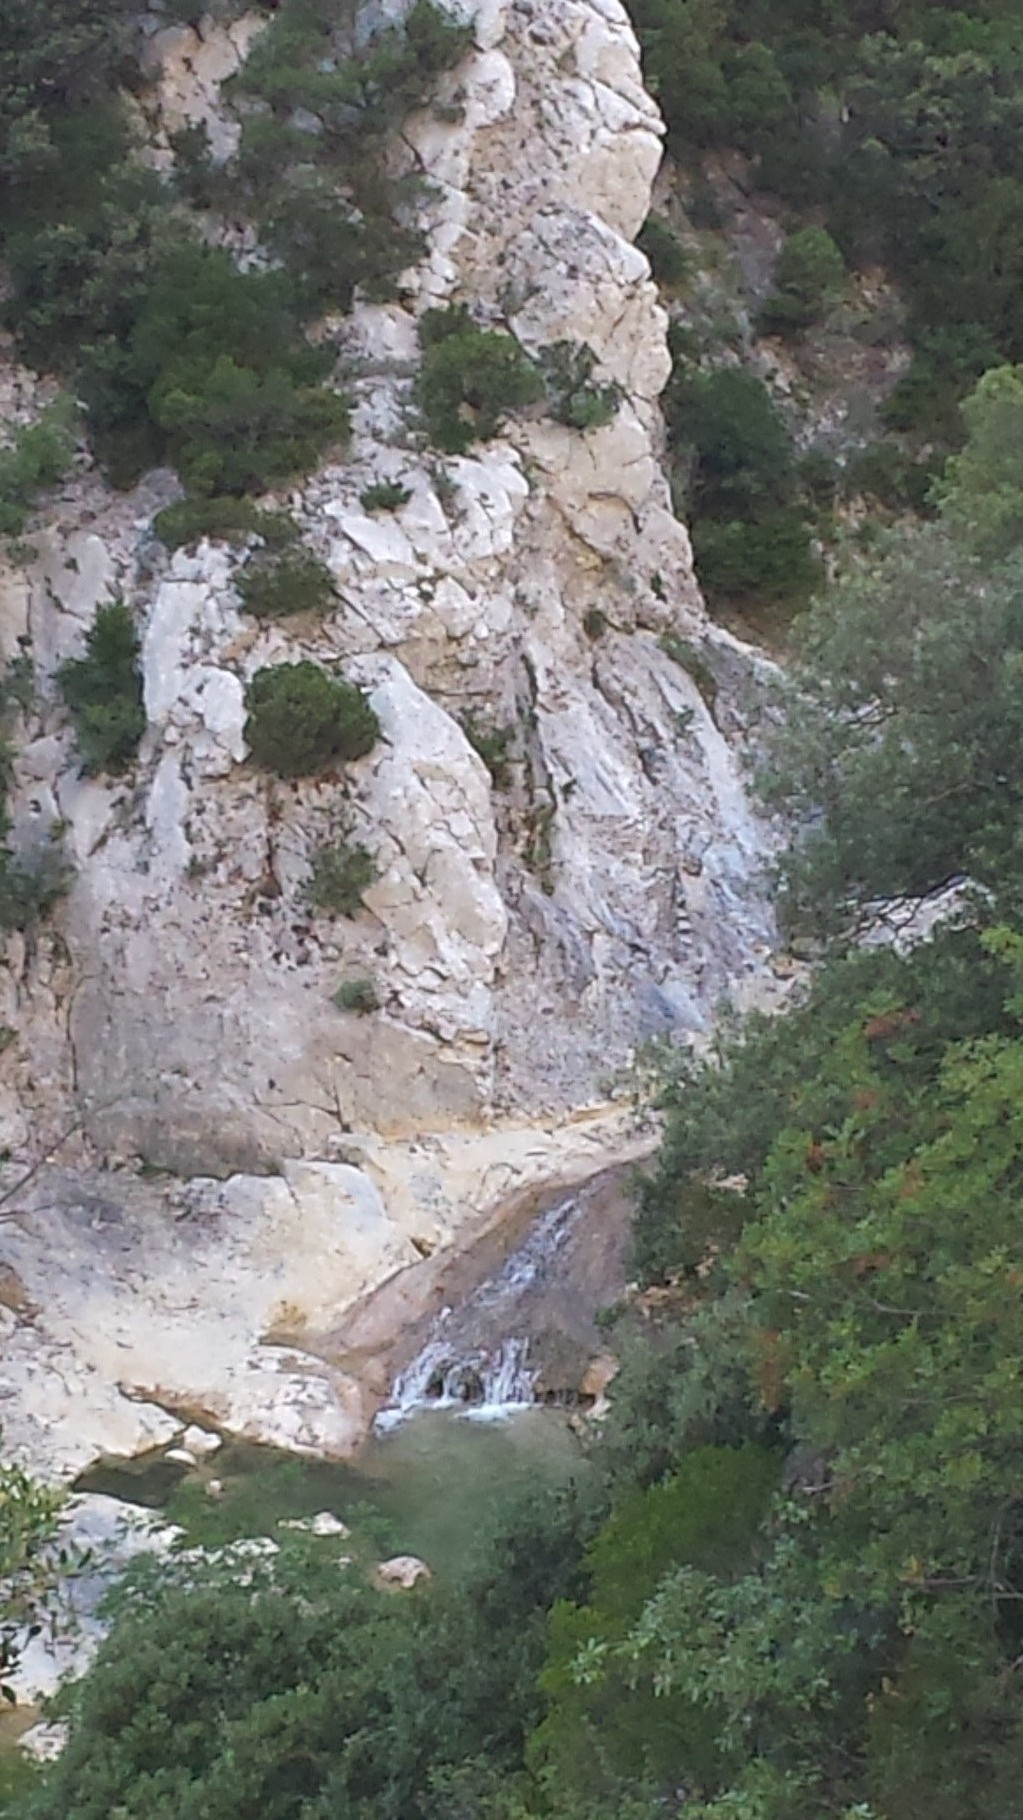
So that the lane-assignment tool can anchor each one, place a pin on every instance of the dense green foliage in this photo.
(304, 1693)
(809, 274)
(103, 690)
(900, 122)
(178, 355)
(470, 379)
(301, 720)
(384, 496)
(228, 520)
(279, 582)
(35, 457)
(574, 397)
(735, 463)
(909, 696)
(31, 882)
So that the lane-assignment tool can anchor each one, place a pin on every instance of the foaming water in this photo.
(476, 1358)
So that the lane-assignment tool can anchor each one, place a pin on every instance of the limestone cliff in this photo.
(521, 940)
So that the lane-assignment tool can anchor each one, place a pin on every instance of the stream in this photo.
(483, 1406)
(480, 1404)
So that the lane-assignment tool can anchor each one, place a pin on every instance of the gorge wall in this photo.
(178, 1010)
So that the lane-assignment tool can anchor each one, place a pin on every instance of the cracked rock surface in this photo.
(523, 935)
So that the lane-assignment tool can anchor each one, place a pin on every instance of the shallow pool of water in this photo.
(429, 1487)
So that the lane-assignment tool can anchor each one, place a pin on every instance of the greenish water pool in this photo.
(428, 1488)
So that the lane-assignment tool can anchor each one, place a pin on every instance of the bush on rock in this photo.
(301, 720)
(471, 378)
(103, 690)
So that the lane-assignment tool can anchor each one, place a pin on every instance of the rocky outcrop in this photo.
(131, 1306)
(522, 937)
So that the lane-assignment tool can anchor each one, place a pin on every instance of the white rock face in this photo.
(102, 1537)
(523, 935)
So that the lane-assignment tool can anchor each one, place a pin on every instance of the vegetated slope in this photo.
(795, 1592)
(859, 139)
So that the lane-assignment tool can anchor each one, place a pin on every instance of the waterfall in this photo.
(476, 1383)
(476, 1359)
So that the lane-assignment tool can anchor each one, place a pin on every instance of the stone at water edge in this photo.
(401, 1571)
(194, 1445)
(323, 1524)
(199, 1441)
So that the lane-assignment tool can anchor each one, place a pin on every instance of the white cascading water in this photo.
(474, 1361)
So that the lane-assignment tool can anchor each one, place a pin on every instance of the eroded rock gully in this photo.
(522, 941)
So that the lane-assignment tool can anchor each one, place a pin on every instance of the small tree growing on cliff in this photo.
(103, 690)
(810, 272)
(301, 720)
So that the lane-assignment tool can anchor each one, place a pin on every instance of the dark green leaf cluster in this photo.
(38, 456)
(301, 721)
(31, 882)
(858, 1294)
(384, 496)
(574, 397)
(734, 456)
(493, 745)
(808, 276)
(902, 124)
(277, 583)
(471, 378)
(298, 1692)
(359, 996)
(908, 696)
(103, 690)
(178, 355)
(226, 520)
(340, 873)
(669, 261)
(322, 196)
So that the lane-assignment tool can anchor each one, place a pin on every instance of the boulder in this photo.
(401, 1571)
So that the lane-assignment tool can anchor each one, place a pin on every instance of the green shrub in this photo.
(325, 203)
(573, 397)
(357, 995)
(301, 720)
(669, 261)
(768, 559)
(384, 496)
(30, 890)
(470, 379)
(946, 363)
(178, 355)
(222, 520)
(278, 583)
(742, 452)
(232, 429)
(103, 690)
(595, 623)
(341, 871)
(38, 456)
(809, 274)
